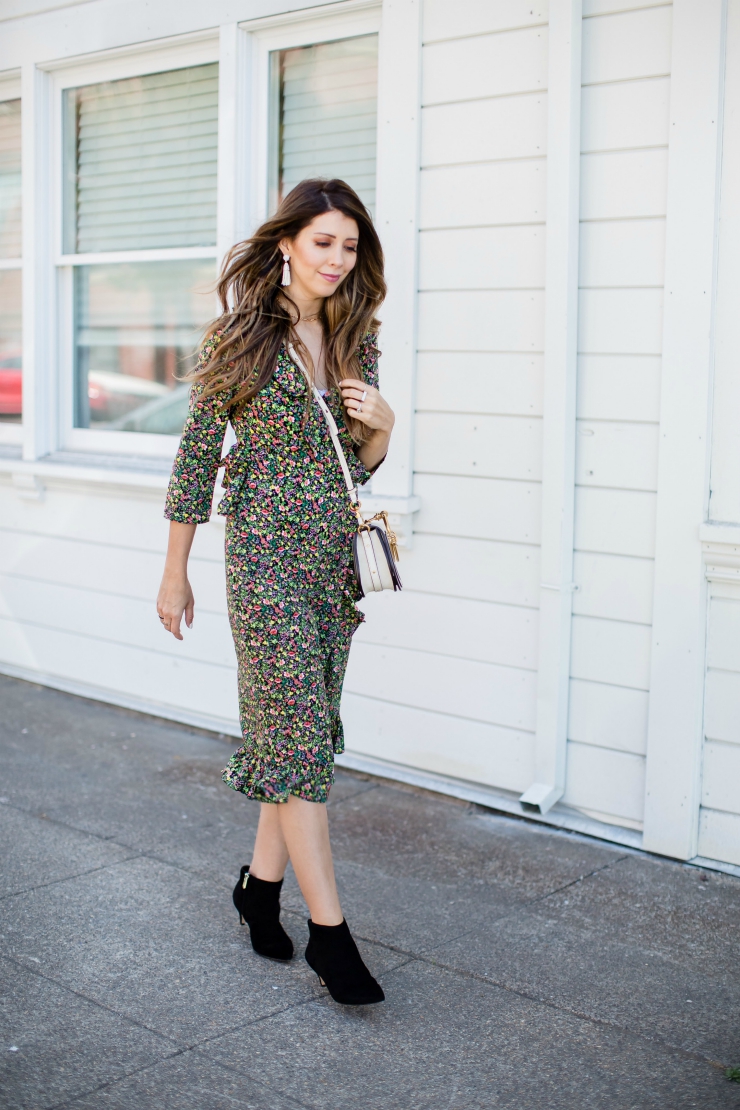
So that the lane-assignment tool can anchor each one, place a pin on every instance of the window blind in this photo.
(10, 179)
(328, 114)
(142, 162)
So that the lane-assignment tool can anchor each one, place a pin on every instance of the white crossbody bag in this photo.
(374, 544)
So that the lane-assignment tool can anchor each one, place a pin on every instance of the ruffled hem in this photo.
(264, 788)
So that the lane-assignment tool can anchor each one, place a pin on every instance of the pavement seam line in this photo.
(582, 1015)
(113, 1082)
(87, 998)
(67, 878)
(195, 1048)
(187, 1049)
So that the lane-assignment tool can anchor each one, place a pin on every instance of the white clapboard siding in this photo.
(503, 320)
(622, 252)
(608, 716)
(625, 116)
(620, 455)
(625, 121)
(133, 521)
(477, 569)
(443, 20)
(611, 651)
(445, 745)
(624, 184)
(485, 65)
(147, 676)
(484, 195)
(621, 522)
(620, 321)
(627, 45)
(479, 446)
(720, 784)
(604, 781)
(480, 630)
(615, 587)
(619, 387)
(608, 7)
(482, 258)
(105, 568)
(722, 706)
(485, 692)
(457, 381)
(719, 835)
(723, 645)
(478, 508)
(484, 130)
(122, 620)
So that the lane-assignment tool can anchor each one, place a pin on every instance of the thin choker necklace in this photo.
(307, 319)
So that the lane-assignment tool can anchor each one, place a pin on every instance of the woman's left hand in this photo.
(365, 404)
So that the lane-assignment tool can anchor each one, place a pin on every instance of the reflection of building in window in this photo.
(324, 115)
(10, 253)
(140, 158)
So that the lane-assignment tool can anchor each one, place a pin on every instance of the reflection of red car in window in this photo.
(11, 394)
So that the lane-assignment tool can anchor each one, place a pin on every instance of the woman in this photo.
(298, 300)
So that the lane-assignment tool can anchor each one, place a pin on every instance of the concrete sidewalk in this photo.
(522, 967)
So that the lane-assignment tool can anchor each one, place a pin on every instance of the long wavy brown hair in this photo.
(255, 320)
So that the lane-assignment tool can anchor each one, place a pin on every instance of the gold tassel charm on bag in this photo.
(392, 537)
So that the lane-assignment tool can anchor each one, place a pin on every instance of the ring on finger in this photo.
(364, 395)
(359, 407)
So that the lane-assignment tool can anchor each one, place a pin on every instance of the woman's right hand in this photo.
(174, 599)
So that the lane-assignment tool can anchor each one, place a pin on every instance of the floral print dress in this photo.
(290, 583)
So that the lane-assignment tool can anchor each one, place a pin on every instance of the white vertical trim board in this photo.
(39, 315)
(558, 469)
(679, 630)
(725, 472)
(233, 138)
(399, 112)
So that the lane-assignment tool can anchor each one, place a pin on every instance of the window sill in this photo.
(123, 471)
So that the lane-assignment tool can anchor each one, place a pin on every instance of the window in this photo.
(324, 115)
(140, 161)
(10, 262)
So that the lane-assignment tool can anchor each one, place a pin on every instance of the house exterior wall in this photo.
(624, 141)
(443, 678)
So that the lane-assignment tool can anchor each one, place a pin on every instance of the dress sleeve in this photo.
(369, 355)
(190, 492)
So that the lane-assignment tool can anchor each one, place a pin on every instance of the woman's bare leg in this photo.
(305, 830)
(270, 855)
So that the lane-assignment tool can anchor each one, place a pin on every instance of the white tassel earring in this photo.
(286, 269)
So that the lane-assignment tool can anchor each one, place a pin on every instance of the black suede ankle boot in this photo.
(333, 955)
(258, 903)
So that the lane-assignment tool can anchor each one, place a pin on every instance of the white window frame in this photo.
(116, 66)
(10, 89)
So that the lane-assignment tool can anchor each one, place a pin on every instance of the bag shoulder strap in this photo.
(332, 426)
